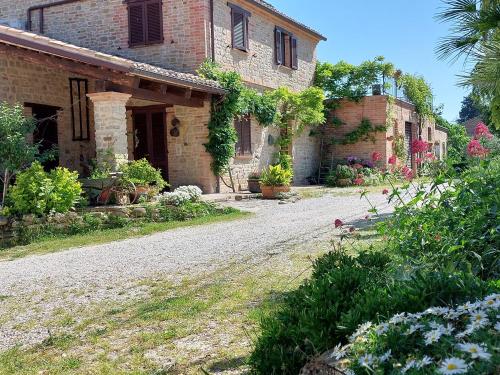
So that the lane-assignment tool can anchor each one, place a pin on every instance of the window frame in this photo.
(286, 57)
(245, 14)
(145, 37)
(243, 145)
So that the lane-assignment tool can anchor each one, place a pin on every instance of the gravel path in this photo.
(112, 271)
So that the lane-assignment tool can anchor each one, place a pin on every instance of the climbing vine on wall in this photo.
(281, 107)
(364, 132)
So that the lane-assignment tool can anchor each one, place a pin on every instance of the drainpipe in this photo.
(212, 29)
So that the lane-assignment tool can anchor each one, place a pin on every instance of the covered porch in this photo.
(90, 105)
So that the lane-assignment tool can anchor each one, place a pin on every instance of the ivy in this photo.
(364, 132)
(419, 93)
(281, 107)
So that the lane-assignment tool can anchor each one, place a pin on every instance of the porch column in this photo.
(110, 123)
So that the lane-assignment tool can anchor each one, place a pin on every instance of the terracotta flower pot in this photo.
(271, 192)
(254, 186)
(343, 182)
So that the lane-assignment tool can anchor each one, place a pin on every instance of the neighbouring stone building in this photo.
(121, 75)
(401, 122)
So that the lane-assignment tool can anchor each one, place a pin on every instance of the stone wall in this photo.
(103, 26)
(23, 82)
(306, 156)
(257, 66)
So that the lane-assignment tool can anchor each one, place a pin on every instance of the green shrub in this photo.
(38, 192)
(343, 293)
(276, 176)
(140, 172)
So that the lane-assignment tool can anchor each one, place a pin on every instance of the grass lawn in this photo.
(202, 323)
(54, 244)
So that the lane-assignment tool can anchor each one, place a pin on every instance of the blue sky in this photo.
(403, 31)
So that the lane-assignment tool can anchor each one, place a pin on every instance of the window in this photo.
(80, 118)
(243, 130)
(145, 22)
(239, 27)
(286, 49)
(429, 134)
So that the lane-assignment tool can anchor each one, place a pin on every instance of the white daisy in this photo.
(432, 336)
(425, 361)
(476, 351)
(384, 357)
(382, 328)
(398, 318)
(479, 319)
(437, 310)
(469, 329)
(448, 330)
(366, 360)
(468, 307)
(414, 328)
(453, 366)
(338, 352)
(491, 302)
(409, 365)
(362, 329)
(497, 327)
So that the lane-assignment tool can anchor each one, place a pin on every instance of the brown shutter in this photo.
(238, 26)
(294, 52)
(278, 46)
(136, 24)
(239, 144)
(154, 22)
(247, 135)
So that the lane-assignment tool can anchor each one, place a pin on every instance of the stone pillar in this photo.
(110, 124)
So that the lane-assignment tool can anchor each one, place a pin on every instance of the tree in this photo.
(15, 151)
(469, 109)
(457, 139)
(475, 35)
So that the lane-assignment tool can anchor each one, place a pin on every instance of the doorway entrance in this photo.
(45, 133)
(408, 142)
(150, 141)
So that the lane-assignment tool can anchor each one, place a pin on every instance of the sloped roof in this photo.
(50, 46)
(270, 8)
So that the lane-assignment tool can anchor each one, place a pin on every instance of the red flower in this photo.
(418, 146)
(338, 223)
(376, 156)
(393, 159)
(482, 131)
(385, 191)
(430, 155)
(359, 181)
(476, 149)
(419, 160)
(407, 173)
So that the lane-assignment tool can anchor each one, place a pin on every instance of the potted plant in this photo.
(254, 182)
(148, 180)
(275, 180)
(344, 175)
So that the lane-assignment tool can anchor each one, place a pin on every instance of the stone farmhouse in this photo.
(119, 77)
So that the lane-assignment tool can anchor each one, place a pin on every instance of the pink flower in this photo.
(418, 146)
(482, 130)
(419, 160)
(393, 159)
(385, 191)
(338, 223)
(476, 149)
(359, 181)
(430, 155)
(407, 173)
(376, 156)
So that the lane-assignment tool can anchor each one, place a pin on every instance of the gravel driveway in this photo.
(41, 284)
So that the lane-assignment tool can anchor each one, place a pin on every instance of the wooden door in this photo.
(150, 137)
(45, 133)
(408, 142)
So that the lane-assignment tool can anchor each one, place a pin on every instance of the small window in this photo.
(243, 130)
(80, 117)
(429, 134)
(286, 49)
(239, 27)
(145, 22)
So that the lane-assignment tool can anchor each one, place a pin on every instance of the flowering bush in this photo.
(481, 131)
(181, 195)
(418, 146)
(476, 149)
(440, 340)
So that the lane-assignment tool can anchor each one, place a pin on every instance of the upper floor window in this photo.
(145, 22)
(285, 45)
(243, 126)
(239, 27)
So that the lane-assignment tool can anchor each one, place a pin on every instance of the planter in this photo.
(141, 191)
(343, 182)
(254, 186)
(271, 192)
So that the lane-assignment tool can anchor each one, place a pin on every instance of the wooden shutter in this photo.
(246, 135)
(294, 52)
(239, 144)
(239, 27)
(278, 46)
(136, 24)
(154, 22)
